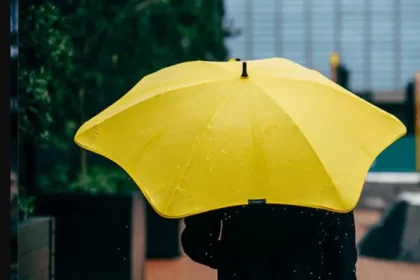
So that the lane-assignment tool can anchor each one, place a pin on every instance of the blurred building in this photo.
(379, 40)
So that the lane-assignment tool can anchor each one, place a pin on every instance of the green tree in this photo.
(81, 56)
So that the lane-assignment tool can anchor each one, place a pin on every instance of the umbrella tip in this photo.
(244, 70)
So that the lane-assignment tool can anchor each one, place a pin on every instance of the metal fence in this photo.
(379, 40)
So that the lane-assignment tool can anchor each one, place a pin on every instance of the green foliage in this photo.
(98, 179)
(46, 66)
(26, 206)
(80, 56)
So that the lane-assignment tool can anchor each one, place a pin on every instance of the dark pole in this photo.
(14, 217)
(14, 52)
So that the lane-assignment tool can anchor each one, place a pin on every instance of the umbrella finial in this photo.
(244, 71)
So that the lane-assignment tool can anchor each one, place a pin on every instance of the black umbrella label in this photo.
(256, 201)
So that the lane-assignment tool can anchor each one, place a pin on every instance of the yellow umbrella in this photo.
(201, 135)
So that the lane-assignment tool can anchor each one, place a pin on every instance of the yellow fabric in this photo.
(196, 137)
(335, 59)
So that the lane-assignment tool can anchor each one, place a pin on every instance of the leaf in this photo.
(105, 47)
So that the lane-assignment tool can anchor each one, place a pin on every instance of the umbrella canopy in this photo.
(200, 136)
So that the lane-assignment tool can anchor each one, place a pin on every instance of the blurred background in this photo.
(81, 217)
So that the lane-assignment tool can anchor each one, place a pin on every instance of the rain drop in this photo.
(208, 159)
(178, 167)
(210, 139)
(223, 151)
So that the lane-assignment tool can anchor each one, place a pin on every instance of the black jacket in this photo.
(267, 242)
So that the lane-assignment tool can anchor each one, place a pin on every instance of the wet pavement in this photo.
(367, 269)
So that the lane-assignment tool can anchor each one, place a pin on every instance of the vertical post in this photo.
(308, 33)
(397, 44)
(337, 25)
(334, 63)
(14, 106)
(278, 25)
(368, 44)
(249, 52)
(83, 153)
(417, 117)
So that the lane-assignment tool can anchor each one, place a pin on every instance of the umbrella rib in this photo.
(198, 143)
(304, 137)
(324, 85)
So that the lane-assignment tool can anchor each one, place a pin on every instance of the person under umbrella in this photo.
(267, 242)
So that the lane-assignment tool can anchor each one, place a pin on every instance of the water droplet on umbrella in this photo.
(240, 164)
(211, 169)
(223, 151)
(208, 158)
(210, 138)
(179, 167)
